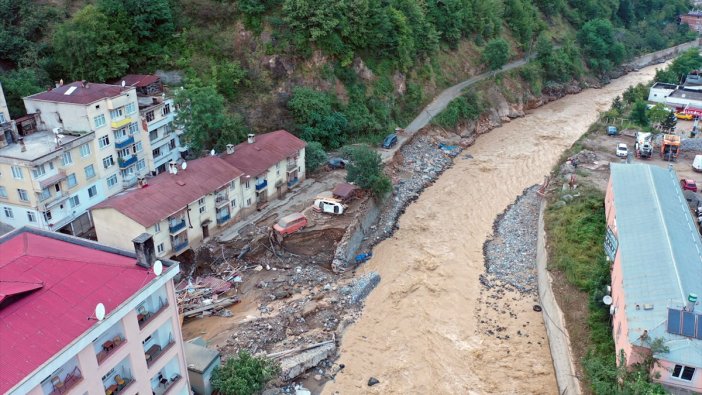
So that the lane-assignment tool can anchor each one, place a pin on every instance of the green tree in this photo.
(316, 118)
(23, 26)
(315, 156)
(658, 114)
(366, 170)
(243, 375)
(690, 60)
(87, 48)
(19, 83)
(639, 113)
(203, 117)
(228, 77)
(603, 51)
(466, 107)
(496, 53)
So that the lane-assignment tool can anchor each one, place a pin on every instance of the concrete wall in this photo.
(351, 241)
(115, 229)
(665, 371)
(662, 55)
(3, 107)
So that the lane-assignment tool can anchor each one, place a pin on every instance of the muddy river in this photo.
(419, 330)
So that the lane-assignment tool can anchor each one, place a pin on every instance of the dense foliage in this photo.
(366, 170)
(678, 69)
(466, 107)
(243, 375)
(315, 156)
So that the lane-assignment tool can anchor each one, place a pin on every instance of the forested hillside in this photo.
(333, 71)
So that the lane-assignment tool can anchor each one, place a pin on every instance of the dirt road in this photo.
(419, 329)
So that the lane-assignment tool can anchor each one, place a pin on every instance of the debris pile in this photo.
(205, 296)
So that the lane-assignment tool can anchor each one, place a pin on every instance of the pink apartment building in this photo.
(51, 341)
(657, 273)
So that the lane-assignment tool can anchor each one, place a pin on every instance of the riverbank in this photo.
(418, 331)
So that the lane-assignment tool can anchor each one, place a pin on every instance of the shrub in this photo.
(366, 170)
(243, 375)
(315, 156)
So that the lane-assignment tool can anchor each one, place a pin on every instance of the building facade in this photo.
(660, 91)
(157, 115)
(179, 210)
(656, 274)
(53, 287)
(692, 19)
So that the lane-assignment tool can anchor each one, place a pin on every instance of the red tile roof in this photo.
(167, 193)
(138, 80)
(75, 277)
(267, 150)
(79, 95)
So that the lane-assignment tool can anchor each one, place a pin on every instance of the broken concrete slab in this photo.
(294, 366)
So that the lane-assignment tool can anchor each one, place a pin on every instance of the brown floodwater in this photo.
(419, 331)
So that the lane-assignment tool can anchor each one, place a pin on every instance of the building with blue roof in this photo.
(657, 273)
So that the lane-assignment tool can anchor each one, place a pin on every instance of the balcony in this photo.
(125, 142)
(109, 347)
(292, 166)
(120, 385)
(121, 123)
(129, 182)
(179, 246)
(292, 182)
(221, 199)
(224, 218)
(261, 185)
(126, 162)
(62, 386)
(144, 316)
(176, 226)
(156, 351)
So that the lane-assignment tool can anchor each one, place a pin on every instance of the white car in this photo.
(622, 150)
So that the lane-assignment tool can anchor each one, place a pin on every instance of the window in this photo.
(172, 144)
(149, 116)
(99, 121)
(74, 201)
(124, 153)
(133, 128)
(232, 185)
(248, 202)
(108, 162)
(23, 195)
(104, 141)
(153, 135)
(112, 181)
(233, 203)
(31, 217)
(17, 172)
(156, 153)
(159, 248)
(166, 109)
(92, 191)
(3, 192)
(8, 213)
(141, 165)
(202, 209)
(116, 113)
(157, 227)
(121, 134)
(130, 108)
(45, 194)
(84, 150)
(38, 171)
(89, 172)
(47, 216)
(72, 180)
(248, 184)
(128, 172)
(2, 118)
(138, 147)
(67, 160)
(683, 372)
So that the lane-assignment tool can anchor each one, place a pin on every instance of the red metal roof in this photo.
(168, 193)
(267, 150)
(138, 80)
(36, 325)
(344, 190)
(80, 95)
(9, 289)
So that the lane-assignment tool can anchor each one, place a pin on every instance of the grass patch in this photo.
(466, 107)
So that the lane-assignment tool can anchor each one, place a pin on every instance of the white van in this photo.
(327, 205)
(697, 163)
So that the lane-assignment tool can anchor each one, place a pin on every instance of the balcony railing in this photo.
(121, 123)
(129, 182)
(126, 162)
(119, 144)
(145, 316)
(175, 226)
(221, 200)
(154, 352)
(109, 348)
(165, 384)
(293, 182)
(63, 386)
(179, 246)
(120, 385)
(224, 218)
(261, 185)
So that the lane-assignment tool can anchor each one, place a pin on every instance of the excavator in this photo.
(670, 147)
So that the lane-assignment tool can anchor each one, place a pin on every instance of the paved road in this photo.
(440, 102)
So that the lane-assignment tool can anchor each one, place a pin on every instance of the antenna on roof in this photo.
(212, 153)
(99, 312)
(158, 268)
(123, 83)
(607, 300)
(184, 166)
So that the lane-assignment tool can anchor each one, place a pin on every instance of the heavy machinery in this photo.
(643, 146)
(670, 147)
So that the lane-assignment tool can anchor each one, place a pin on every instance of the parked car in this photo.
(697, 163)
(612, 131)
(390, 141)
(622, 150)
(688, 184)
(337, 163)
(687, 117)
(290, 224)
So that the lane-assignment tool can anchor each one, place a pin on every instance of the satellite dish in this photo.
(184, 165)
(212, 153)
(175, 170)
(607, 300)
(100, 311)
(158, 268)
(124, 83)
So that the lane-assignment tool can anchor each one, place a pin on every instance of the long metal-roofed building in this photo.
(657, 273)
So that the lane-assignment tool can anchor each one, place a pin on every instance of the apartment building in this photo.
(656, 276)
(111, 112)
(82, 318)
(157, 115)
(179, 208)
(5, 121)
(272, 164)
(48, 180)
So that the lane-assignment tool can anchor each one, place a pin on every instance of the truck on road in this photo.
(643, 146)
(670, 147)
